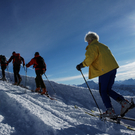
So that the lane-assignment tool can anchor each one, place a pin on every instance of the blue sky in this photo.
(56, 29)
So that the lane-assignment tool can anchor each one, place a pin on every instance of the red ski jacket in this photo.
(34, 62)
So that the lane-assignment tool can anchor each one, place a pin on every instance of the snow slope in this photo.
(25, 113)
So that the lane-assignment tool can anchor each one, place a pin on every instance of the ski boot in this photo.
(110, 113)
(126, 106)
(20, 79)
(15, 83)
(44, 92)
(4, 79)
(37, 89)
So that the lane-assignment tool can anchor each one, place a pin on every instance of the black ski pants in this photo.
(16, 69)
(3, 71)
(39, 81)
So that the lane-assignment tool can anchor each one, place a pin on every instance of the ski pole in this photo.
(90, 91)
(25, 77)
(9, 74)
(49, 82)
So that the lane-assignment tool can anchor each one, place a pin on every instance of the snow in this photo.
(25, 113)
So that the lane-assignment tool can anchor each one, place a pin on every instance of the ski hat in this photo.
(13, 52)
(36, 53)
(91, 36)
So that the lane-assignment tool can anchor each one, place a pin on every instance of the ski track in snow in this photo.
(32, 114)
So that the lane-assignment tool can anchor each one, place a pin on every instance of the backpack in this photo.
(3, 59)
(40, 62)
(17, 58)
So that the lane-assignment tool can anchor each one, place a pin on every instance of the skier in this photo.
(17, 60)
(102, 63)
(40, 68)
(3, 63)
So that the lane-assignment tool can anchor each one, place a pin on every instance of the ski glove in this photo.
(27, 65)
(78, 67)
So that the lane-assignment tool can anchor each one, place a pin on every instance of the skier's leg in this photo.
(41, 79)
(112, 93)
(3, 72)
(42, 82)
(18, 75)
(104, 81)
(103, 89)
(15, 74)
(37, 81)
(125, 105)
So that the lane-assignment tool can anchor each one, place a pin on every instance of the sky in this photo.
(56, 29)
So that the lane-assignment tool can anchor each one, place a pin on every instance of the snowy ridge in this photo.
(126, 86)
(32, 114)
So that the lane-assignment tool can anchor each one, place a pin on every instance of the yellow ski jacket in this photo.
(99, 59)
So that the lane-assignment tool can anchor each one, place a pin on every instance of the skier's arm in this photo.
(90, 56)
(32, 62)
(22, 59)
(11, 58)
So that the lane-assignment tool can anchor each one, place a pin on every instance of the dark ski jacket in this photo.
(13, 57)
(3, 63)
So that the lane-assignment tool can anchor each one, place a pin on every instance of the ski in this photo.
(3, 79)
(95, 114)
(21, 85)
(117, 120)
(90, 112)
(47, 95)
